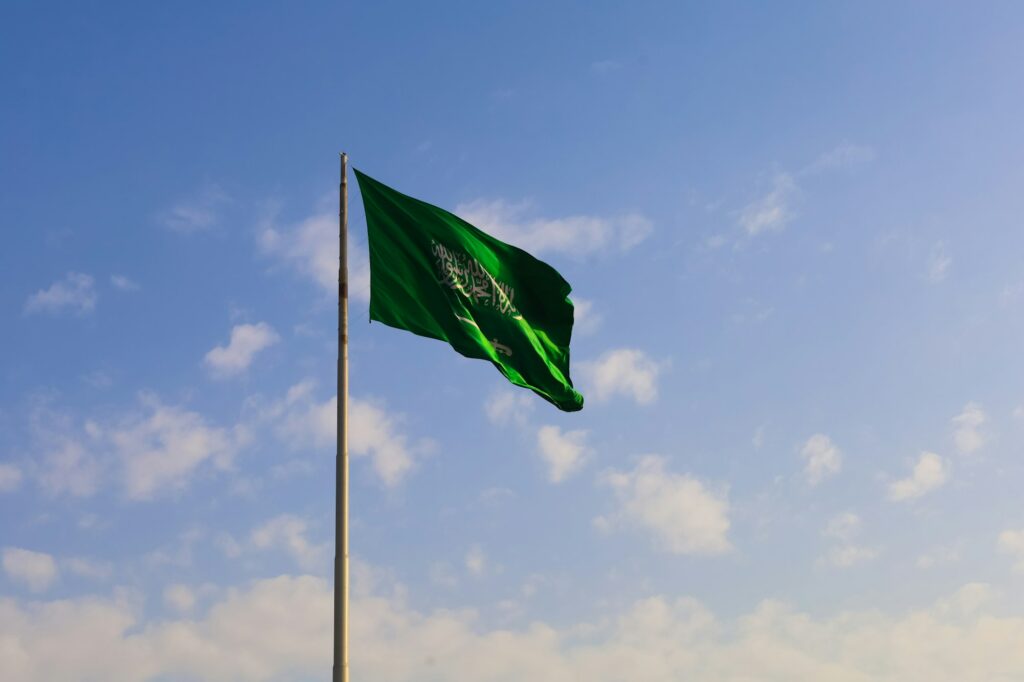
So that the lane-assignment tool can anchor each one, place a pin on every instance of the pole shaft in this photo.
(341, 591)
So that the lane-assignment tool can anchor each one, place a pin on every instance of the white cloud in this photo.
(151, 452)
(509, 407)
(68, 467)
(76, 294)
(98, 379)
(122, 283)
(586, 320)
(681, 512)
(773, 211)
(246, 341)
(230, 547)
(442, 574)
(291, 468)
(967, 429)
(276, 629)
(757, 440)
(181, 598)
(36, 570)
(1012, 542)
(844, 556)
(930, 473)
(301, 420)
(198, 213)
(10, 477)
(160, 452)
(90, 522)
(180, 552)
(476, 561)
(493, 497)
(1012, 292)
(288, 533)
(939, 261)
(89, 568)
(624, 371)
(715, 241)
(244, 638)
(311, 249)
(373, 431)
(575, 236)
(845, 528)
(754, 312)
(822, 458)
(64, 462)
(564, 453)
(775, 208)
(845, 155)
(937, 556)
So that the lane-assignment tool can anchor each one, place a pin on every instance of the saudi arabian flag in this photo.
(436, 275)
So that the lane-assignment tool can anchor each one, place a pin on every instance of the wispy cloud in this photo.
(289, 533)
(844, 529)
(822, 458)
(151, 452)
(122, 283)
(247, 340)
(576, 236)
(75, 294)
(10, 477)
(310, 248)
(939, 262)
(844, 556)
(160, 452)
(64, 461)
(35, 570)
(564, 453)
(939, 555)
(586, 318)
(929, 473)
(1011, 542)
(89, 568)
(657, 637)
(476, 561)
(509, 406)
(682, 513)
(374, 431)
(179, 597)
(773, 210)
(625, 371)
(197, 213)
(845, 155)
(968, 434)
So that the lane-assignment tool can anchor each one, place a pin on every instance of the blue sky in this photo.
(793, 236)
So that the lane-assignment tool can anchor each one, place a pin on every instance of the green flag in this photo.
(436, 275)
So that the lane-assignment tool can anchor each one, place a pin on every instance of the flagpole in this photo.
(340, 669)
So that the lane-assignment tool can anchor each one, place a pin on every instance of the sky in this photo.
(793, 235)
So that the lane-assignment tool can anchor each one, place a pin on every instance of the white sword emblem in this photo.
(498, 346)
(501, 348)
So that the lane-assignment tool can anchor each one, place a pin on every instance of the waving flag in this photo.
(434, 274)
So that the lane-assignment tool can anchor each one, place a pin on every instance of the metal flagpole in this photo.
(340, 670)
